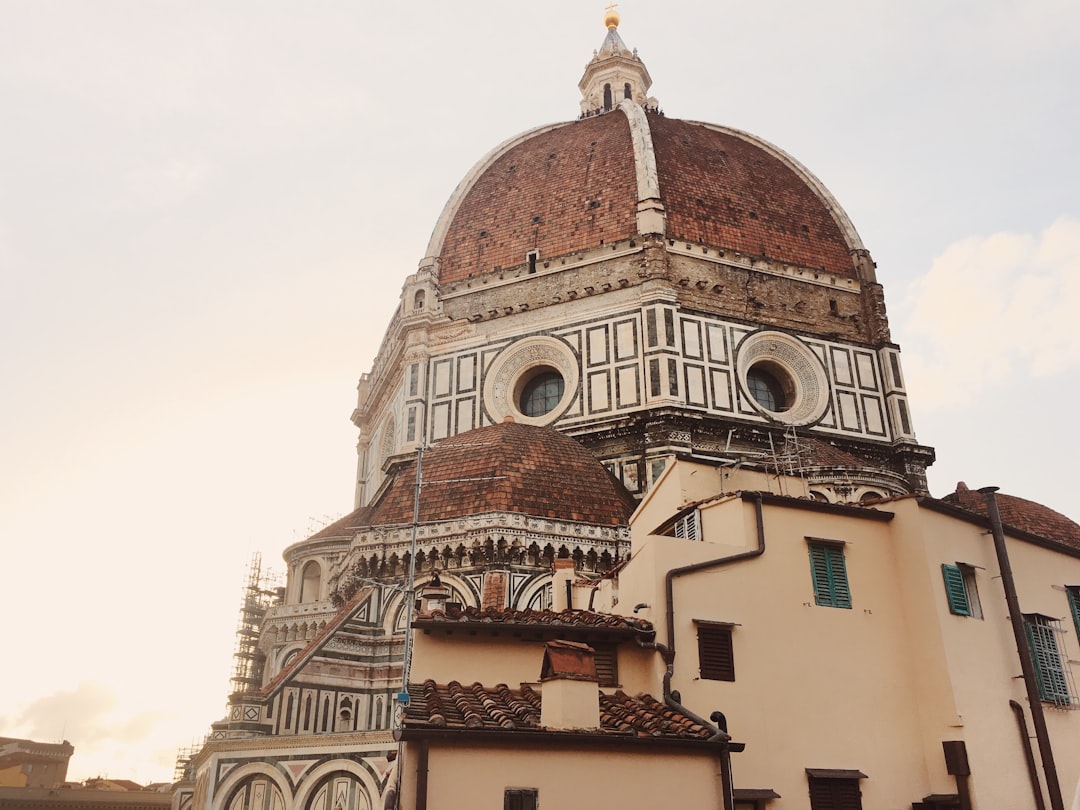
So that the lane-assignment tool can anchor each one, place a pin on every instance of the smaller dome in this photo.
(1021, 514)
(507, 467)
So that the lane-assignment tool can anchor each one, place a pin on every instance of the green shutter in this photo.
(1073, 593)
(829, 573)
(1049, 673)
(955, 590)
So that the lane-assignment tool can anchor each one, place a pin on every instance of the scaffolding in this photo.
(788, 458)
(261, 591)
(182, 771)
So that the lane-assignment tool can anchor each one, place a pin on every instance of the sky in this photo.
(207, 211)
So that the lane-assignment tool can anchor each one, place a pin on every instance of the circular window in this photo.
(782, 379)
(533, 381)
(541, 393)
(764, 382)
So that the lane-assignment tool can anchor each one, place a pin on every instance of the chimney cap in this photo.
(568, 660)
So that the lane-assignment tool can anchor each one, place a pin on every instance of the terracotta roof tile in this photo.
(573, 187)
(1021, 514)
(556, 192)
(724, 190)
(478, 707)
(560, 619)
(507, 467)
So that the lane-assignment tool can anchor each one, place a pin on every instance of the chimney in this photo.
(493, 592)
(570, 692)
(433, 596)
(562, 585)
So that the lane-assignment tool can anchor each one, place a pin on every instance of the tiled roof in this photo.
(1022, 514)
(558, 619)
(558, 191)
(824, 454)
(501, 708)
(573, 187)
(507, 467)
(725, 190)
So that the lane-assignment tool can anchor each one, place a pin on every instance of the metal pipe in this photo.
(1029, 755)
(1027, 666)
(421, 775)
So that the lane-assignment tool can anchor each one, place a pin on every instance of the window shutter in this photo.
(955, 591)
(716, 659)
(1049, 671)
(607, 669)
(819, 569)
(829, 572)
(686, 527)
(525, 799)
(1073, 592)
(835, 794)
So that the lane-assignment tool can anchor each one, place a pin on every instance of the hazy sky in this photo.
(207, 210)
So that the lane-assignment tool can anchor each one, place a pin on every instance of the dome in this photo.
(1020, 514)
(506, 467)
(570, 187)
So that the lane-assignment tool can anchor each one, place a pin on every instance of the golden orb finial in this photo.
(611, 19)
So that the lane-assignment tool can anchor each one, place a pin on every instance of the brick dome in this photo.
(506, 467)
(576, 186)
(1021, 514)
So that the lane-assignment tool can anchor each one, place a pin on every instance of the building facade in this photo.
(638, 351)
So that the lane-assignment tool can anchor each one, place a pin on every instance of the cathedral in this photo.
(637, 350)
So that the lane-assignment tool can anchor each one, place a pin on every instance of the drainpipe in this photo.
(1029, 755)
(667, 652)
(1038, 717)
(421, 775)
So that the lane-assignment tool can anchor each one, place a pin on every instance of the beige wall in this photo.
(474, 777)
(877, 687)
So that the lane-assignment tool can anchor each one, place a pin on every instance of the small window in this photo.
(607, 664)
(521, 799)
(1051, 671)
(829, 573)
(834, 793)
(686, 527)
(1073, 593)
(716, 659)
(961, 590)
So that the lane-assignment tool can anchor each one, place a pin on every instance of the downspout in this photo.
(667, 652)
(421, 775)
(1027, 667)
(1029, 755)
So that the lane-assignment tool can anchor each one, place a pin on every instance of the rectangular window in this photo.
(686, 527)
(961, 590)
(716, 658)
(607, 664)
(835, 794)
(1073, 592)
(414, 379)
(521, 799)
(1051, 673)
(829, 573)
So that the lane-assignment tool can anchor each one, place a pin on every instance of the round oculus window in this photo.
(532, 381)
(782, 378)
(541, 392)
(766, 389)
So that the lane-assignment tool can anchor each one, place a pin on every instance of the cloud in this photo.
(994, 308)
(87, 715)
